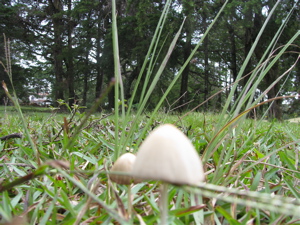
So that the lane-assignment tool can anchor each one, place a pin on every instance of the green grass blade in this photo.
(171, 85)
(49, 211)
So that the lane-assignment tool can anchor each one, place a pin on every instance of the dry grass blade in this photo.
(38, 172)
(234, 120)
(18, 220)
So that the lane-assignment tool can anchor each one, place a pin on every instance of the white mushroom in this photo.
(168, 155)
(123, 165)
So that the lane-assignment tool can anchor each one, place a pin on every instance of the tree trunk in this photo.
(233, 57)
(133, 75)
(86, 70)
(99, 76)
(206, 70)
(187, 49)
(69, 58)
(109, 70)
(55, 7)
(247, 48)
(185, 76)
(85, 79)
(206, 62)
(275, 109)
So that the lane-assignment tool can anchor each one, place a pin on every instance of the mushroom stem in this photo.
(164, 203)
(129, 201)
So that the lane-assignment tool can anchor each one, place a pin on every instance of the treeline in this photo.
(64, 47)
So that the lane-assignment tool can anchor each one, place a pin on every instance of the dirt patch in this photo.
(294, 120)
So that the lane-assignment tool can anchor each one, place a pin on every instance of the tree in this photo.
(55, 9)
(68, 46)
(11, 25)
(188, 11)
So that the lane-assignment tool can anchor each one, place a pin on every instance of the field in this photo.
(59, 174)
(56, 167)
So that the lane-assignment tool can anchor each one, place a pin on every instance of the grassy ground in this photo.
(58, 172)
(33, 109)
(74, 188)
(294, 120)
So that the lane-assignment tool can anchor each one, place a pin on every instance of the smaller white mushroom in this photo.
(123, 165)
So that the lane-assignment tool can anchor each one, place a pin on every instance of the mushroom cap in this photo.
(168, 155)
(123, 164)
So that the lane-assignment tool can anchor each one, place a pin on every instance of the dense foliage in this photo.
(65, 47)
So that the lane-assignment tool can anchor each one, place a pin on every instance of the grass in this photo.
(57, 173)
(59, 193)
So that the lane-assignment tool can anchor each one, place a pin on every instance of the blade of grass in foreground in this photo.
(263, 201)
(151, 52)
(149, 92)
(14, 98)
(120, 142)
(241, 72)
(224, 143)
(176, 77)
(119, 89)
(265, 68)
(110, 210)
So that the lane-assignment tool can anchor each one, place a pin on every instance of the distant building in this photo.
(41, 100)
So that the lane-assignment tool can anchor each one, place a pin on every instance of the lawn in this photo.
(252, 172)
(59, 171)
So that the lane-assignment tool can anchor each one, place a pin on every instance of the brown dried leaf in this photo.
(121, 207)
(4, 86)
(18, 220)
(59, 163)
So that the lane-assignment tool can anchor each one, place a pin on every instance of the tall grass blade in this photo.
(151, 52)
(176, 77)
(243, 67)
(119, 91)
